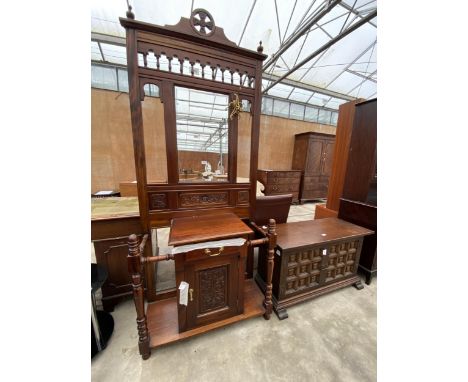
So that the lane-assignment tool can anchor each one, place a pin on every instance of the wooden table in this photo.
(313, 257)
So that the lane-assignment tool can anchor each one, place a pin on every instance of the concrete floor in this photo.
(330, 338)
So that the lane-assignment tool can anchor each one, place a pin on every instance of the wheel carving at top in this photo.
(202, 22)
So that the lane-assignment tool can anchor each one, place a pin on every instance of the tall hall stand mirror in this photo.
(205, 81)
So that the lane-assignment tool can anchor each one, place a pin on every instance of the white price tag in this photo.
(183, 296)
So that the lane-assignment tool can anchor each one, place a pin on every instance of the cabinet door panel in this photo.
(314, 157)
(215, 289)
(341, 261)
(328, 146)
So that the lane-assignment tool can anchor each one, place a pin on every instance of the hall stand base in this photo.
(162, 317)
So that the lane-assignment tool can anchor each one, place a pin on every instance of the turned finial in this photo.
(271, 226)
(133, 242)
(260, 47)
(130, 14)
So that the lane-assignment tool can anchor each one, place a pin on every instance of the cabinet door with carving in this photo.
(341, 260)
(213, 289)
(327, 153)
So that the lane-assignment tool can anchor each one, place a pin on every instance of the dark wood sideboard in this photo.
(312, 257)
(313, 154)
(280, 182)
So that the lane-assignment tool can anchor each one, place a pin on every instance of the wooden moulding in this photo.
(279, 306)
(163, 324)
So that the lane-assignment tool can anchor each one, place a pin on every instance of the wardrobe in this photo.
(313, 154)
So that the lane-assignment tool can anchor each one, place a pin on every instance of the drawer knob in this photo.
(208, 252)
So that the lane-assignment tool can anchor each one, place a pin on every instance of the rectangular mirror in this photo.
(202, 135)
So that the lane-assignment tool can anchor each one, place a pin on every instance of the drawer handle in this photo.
(191, 294)
(208, 252)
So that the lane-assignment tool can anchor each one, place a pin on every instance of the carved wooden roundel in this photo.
(202, 22)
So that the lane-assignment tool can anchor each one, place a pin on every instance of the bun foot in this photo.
(358, 285)
(282, 314)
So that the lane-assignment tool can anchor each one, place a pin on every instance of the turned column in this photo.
(271, 233)
(134, 267)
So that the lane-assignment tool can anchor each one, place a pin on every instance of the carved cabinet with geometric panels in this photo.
(313, 257)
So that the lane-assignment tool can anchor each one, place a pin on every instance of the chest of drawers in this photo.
(279, 182)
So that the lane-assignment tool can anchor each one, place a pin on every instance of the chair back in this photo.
(272, 207)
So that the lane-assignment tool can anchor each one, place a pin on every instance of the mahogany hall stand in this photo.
(198, 212)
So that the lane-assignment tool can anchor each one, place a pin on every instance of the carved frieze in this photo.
(243, 197)
(158, 201)
(203, 199)
(213, 289)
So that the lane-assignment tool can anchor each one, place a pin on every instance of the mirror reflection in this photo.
(202, 135)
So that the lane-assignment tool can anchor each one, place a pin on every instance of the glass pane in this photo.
(267, 106)
(296, 111)
(334, 119)
(281, 108)
(311, 114)
(324, 116)
(151, 90)
(202, 135)
(123, 80)
(103, 77)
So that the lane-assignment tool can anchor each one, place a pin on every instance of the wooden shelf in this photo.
(163, 321)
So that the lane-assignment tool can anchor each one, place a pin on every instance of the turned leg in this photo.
(134, 267)
(358, 285)
(271, 232)
(282, 314)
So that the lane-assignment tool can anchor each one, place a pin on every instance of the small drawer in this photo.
(212, 252)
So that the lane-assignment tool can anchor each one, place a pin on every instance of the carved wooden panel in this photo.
(191, 199)
(303, 270)
(212, 289)
(341, 260)
(243, 197)
(158, 201)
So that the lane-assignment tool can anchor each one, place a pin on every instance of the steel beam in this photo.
(312, 88)
(294, 37)
(354, 11)
(248, 18)
(361, 75)
(360, 23)
(303, 103)
(364, 80)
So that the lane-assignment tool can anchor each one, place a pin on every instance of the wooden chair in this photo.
(268, 207)
(272, 207)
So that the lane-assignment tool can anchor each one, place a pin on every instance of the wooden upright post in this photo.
(134, 267)
(271, 233)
